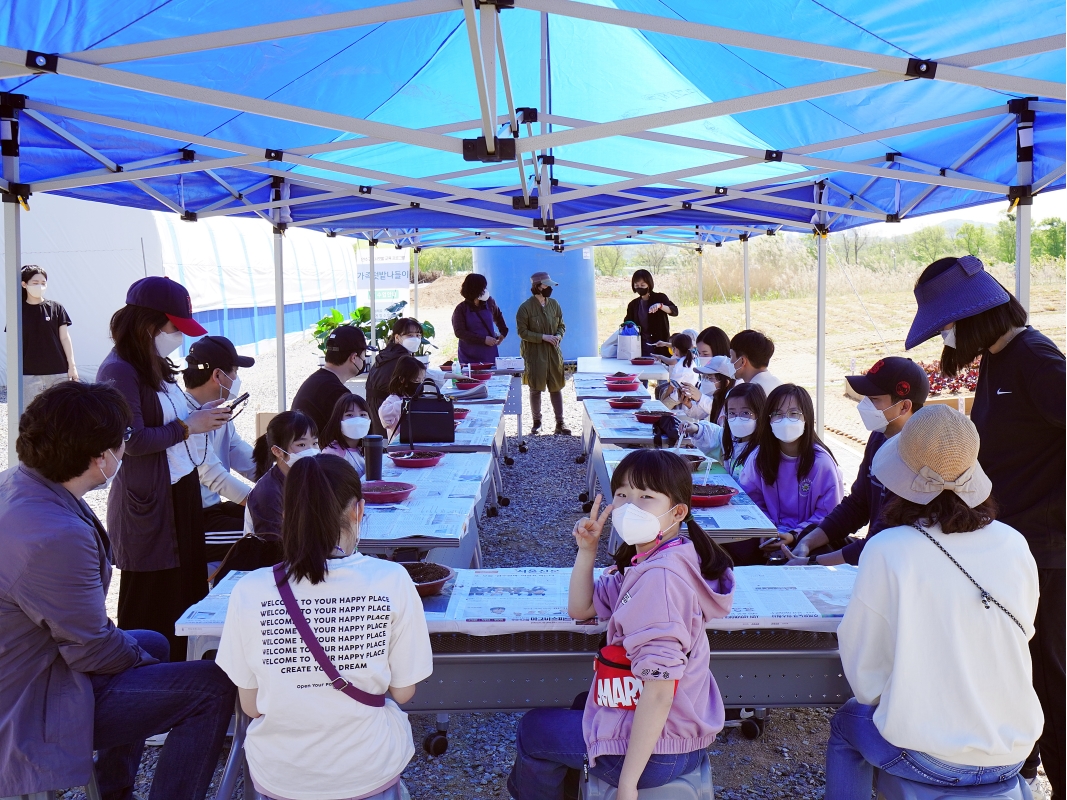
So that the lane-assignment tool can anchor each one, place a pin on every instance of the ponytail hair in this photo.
(281, 432)
(683, 342)
(318, 493)
(668, 473)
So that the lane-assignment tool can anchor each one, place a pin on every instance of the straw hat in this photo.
(937, 450)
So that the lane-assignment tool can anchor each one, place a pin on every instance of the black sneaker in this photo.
(536, 426)
(561, 430)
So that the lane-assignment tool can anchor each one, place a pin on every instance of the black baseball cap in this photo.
(170, 297)
(346, 340)
(216, 352)
(893, 375)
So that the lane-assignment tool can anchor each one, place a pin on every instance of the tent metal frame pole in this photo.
(416, 287)
(279, 312)
(1024, 176)
(820, 347)
(372, 244)
(748, 294)
(480, 78)
(13, 281)
(700, 290)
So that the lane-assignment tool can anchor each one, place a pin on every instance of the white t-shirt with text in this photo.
(313, 742)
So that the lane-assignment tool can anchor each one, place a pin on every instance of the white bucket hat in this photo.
(936, 451)
(717, 365)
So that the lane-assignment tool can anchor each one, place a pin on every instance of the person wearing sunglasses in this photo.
(72, 682)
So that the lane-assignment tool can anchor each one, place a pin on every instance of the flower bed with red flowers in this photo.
(964, 382)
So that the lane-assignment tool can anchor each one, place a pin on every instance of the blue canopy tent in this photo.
(539, 123)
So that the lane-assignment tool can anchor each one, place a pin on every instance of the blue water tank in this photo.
(508, 271)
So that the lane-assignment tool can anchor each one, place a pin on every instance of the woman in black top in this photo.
(405, 340)
(650, 311)
(1019, 413)
(47, 350)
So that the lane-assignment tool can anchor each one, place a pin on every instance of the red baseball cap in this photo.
(170, 297)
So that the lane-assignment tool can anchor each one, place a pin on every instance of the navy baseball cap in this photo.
(346, 340)
(893, 375)
(216, 352)
(170, 297)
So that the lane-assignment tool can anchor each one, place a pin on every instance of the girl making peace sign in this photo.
(654, 706)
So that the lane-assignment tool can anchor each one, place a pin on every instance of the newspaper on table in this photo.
(496, 391)
(488, 602)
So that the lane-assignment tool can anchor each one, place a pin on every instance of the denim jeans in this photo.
(549, 741)
(856, 748)
(191, 699)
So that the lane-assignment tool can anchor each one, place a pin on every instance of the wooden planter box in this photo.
(961, 402)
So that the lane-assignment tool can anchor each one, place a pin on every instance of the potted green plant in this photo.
(382, 330)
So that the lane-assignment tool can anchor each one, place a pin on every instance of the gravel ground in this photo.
(543, 484)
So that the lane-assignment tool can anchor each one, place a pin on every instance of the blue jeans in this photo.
(191, 699)
(856, 748)
(549, 741)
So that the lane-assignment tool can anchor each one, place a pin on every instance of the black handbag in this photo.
(428, 417)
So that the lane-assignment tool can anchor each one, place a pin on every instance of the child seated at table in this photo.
(707, 400)
(732, 442)
(290, 436)
(654, 706)
(349, 423)
(407, 378)
(307, 738)
(791, 475)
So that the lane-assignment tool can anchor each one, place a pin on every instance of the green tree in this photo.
(972, 238)
(929, 244)
(1049, 239)
(609, 260)
(1004, 240)
(445, 260)
(653, 257)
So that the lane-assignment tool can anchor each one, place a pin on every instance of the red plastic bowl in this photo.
(481, 375)
(627, 404)
(625, 377)
(468, 384)
(650, 417)
(460, 413)
(421, 458)
(616, 381)
(375, 492)
(643, 361)
(483, 367)
(624, 387)
(419, 571)
(711, 501)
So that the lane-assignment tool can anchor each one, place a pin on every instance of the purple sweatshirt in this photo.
(660, 620)
(793, 504)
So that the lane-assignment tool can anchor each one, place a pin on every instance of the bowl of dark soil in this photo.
(622, 376)
(468, 383)
(623, 387)
(644, 361)
(712, 494)
(650, 417)
(693, 460)
(429, 579)
(417, 458)
(460, 413)
(376, 492)
(626, 403)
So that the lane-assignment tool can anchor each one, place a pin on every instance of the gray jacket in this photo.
(54, 574)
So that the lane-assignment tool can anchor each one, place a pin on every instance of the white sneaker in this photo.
(1037, 788)
(157, 740)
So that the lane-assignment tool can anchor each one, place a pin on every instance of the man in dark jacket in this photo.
(651, 312)
(893, 389)
(346, 357)
(70, 681)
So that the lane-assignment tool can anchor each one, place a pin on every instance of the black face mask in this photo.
(546, 291)
(642, 290)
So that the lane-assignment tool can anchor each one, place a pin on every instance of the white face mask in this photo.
(355, 427)
(950, 337)
(635, 525)
(35, 290)
(874, 419)
(167, 343)
(787, 430)
(234, 390)
(109, 479)
(484, 296)
(411, 343)
(294, 457)
(741, 427)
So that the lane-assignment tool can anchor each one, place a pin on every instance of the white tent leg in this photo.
(820, 348)
(13, 280)
(1024, 176)
(700, 291)
(416, 290)
(748, 306)
(279, 314)
(373, 306)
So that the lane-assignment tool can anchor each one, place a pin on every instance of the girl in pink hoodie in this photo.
(654, 706)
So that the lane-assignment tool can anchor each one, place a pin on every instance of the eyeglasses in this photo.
(746, 414)
(126, 434)
(793, 416)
